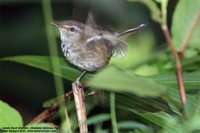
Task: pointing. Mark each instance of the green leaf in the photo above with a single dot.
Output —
(41, 128)
(9, 117)
(191, 80)
(191, 106)
(113, 79)
(131, 125)
(186, 15)
(158, 118)
(140, 103)
(43, 63)
(98, 118)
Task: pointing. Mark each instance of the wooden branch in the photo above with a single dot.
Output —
(79, 99)
(56, 106)
(52, 109)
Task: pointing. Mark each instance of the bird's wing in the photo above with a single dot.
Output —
(119, 48)
(131, 31)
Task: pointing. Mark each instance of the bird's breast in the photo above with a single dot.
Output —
(89, 58)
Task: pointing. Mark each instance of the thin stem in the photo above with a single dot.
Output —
(67, 121)
(164, 4)
(169, 40)
(179, 69)
(181, 85)
(178, 63)
(113, 112)
(185, 44)
(52, 46)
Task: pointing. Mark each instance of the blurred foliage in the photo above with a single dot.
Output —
(144, 82)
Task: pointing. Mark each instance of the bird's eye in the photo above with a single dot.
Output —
(72, 29)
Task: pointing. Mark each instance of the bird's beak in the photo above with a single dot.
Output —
(57, 24)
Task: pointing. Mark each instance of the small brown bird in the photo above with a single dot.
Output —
(90, 48)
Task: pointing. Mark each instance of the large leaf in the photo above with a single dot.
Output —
(186, 15)
(9, 117)
(44, 63)
(191, 80)
(113, 79)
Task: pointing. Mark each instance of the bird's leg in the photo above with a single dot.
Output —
(82, 74)
(77, 81)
